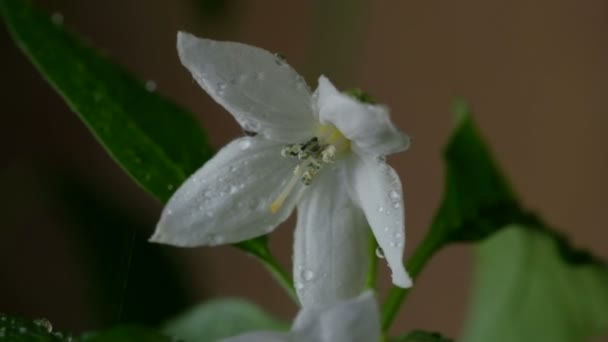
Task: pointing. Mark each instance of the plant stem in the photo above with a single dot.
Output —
(280, 274)
(431, 244)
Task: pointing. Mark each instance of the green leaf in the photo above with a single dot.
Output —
(221, 318)
(21, 330)
(530, 285)
(477, 202)
(422, 336)
(131, 333)
(155, 141)
(478, 199)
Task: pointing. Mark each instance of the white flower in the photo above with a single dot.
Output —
(321, 152)
(355, 320)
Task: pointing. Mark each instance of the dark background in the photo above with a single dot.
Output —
(535, 72)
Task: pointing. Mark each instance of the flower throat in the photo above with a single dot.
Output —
(324, 148)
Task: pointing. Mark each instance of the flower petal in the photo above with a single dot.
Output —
(261, 336)
(377, 189)
(368, 126)
(228, 199)
(330, 245)
(354, 320)
(258, 88)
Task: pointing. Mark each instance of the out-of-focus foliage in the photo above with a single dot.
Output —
(155, 141)
(530, 285)
(221, 318)
(422, 336)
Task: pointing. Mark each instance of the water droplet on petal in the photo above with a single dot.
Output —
(299, 286)
(308, 275)
(233, 168)
(398, 235)
(399, 244)
(394, 195)
(386, 229)
(260, 76)
(233, 189)
(245, 144)
(242, 78)
(396, 205)
(380, 209)
(379, 253)
(169, 212)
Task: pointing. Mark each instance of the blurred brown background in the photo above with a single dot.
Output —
(535, 72)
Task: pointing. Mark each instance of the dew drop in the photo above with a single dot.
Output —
(57, 18)
(242, 79)
(398, 235)
(386, 229)
(399, 244)
(299, 286)
(260, 76)
(380, 209)
(233, 189)
(245, 144)
(169, 212)
(150, 86)
(44, 323)
(307, 275)
(393, 244)
(394, 195)
(396, 205)
(233, 168)
(221, 86)
(379, 253)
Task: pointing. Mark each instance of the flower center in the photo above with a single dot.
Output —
(324, 148)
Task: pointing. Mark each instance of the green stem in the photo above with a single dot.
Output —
(431, 244)
(280, 274)
(258, 247)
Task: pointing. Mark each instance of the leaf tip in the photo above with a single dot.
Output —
(461, 110)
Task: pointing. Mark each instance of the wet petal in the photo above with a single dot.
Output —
(377, 189)
(330, 245)
(354, 320)
(368, 126)
(259, 89)
(228, 199)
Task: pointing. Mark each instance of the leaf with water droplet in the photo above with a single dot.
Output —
(17, 329)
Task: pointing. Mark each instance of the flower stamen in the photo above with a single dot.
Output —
(321, 149)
